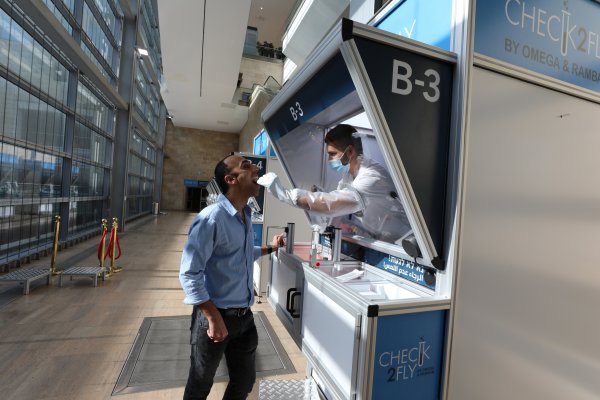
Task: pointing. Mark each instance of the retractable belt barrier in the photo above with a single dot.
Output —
(102, 247)
(114, 242)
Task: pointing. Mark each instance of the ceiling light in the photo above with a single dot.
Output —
(142, 52)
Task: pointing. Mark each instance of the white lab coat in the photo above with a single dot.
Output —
(364, 204)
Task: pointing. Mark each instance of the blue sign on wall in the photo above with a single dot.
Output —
(408, 356)
(560, 39)
(194, 183)
(426, 21)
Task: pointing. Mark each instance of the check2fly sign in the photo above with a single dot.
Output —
(560, 39)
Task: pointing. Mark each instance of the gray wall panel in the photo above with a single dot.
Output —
(526, 323)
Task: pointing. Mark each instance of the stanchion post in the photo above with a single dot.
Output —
(114, 240)
(55, 246)
(102, 247)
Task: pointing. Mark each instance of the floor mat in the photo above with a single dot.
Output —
(160, 357)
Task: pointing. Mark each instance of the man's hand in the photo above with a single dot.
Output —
(217, 331)
(278, 241)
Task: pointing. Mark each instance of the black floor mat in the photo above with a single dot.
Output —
(160, 357)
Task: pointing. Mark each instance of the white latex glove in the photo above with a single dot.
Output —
(273, 185)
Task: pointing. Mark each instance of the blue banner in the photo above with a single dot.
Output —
(560, 39)
(408, 356)
(426, 21)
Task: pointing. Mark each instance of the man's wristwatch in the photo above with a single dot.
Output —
(270, 249)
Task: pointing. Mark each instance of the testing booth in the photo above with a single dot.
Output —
(483, 116)
(368, 298)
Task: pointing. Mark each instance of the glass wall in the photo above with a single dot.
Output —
(101, 30)
(140, 176)
(39, 176)
(58, 128)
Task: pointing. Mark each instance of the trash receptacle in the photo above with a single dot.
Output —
(155, 208)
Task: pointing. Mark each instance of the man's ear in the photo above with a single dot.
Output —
(351, 152)
(230, 179)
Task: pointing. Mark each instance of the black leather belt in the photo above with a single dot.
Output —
(234, 312)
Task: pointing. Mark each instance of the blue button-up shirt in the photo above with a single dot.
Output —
(218, 257)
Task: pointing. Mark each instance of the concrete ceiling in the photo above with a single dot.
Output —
(202, 44)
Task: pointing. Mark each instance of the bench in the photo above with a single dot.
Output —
(26, 276)
(92, 272)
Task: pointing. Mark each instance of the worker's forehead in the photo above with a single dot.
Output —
(332, 147)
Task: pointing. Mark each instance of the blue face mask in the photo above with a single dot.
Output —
(337, 165)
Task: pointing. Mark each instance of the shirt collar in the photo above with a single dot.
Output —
(226, 204)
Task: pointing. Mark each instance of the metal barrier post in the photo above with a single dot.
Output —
(55, 246)
(114, 242)
(102, 253)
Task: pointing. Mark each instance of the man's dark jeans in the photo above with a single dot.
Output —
(239, 348)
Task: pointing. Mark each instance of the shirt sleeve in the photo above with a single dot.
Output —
(332, 204)
(257, 252)
(196, 252)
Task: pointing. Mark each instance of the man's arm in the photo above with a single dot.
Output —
(277, 242)
(196, 251)
(330, 204)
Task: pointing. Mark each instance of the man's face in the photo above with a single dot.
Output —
(335, 153)
(245, 175)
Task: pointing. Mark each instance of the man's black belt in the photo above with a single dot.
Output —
(234, 312)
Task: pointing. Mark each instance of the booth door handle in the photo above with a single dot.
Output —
(288, 300)
(292, 309)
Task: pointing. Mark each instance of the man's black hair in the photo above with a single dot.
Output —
(221, 170)
(343, 136)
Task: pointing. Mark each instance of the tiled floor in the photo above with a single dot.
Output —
(71, 343)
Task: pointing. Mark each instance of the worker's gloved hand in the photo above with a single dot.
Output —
(272, 183)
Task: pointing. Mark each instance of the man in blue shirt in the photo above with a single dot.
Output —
(216, 276)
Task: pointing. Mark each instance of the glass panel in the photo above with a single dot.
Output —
(36, 66)
(10, 115)
(32, 119)
(16, 38)
(92, 109)
(26, 57)
(2, 104)
(22, 112)
(4, 37)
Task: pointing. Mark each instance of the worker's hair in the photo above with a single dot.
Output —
(343, 136)
(221, 170)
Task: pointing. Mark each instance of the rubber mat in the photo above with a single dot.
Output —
(160, 356)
